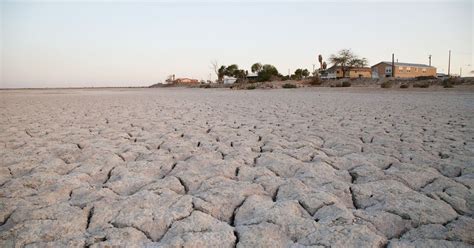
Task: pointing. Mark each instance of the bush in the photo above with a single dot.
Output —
(404, 86)
(447, 84)
(315, 81)
(288, 86)
(346, 84)
(450, 82)
(386, 84)
(425, 77)
(251, 87)
(421, 85)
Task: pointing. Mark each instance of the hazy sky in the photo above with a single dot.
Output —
(92, 43)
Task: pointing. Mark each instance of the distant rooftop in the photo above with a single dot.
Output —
(252, 74)
(405, 64)
(350, 68)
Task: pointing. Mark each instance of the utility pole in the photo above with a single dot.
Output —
(429, 57)
(289, 76)
(393, 65)
(449, 63)
(313, 68)
(460, 71)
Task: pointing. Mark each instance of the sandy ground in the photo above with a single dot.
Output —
(223, 168)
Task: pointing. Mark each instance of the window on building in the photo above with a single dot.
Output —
(408, 69)
(423, 70)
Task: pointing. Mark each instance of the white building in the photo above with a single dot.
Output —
(229, 80)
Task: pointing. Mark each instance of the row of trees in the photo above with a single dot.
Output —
(230, 71)
(265, 72)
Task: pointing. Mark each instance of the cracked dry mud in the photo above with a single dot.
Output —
(220, 168)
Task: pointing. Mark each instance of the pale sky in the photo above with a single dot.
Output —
(104, 43)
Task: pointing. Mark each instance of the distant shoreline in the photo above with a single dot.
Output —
(305, 83)
(78, 88)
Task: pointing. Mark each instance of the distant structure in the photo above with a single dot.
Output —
(229, 80)
(188, 81)
(402, 70)
(352, 72)
(251, 76)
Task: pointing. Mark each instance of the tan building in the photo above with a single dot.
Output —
(351, 72)
(402, 70)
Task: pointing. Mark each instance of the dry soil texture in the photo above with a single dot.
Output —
(222, 168)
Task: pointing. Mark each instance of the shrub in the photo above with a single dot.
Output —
(421, 85)
(447, 84)
(386, 84)
(288, 86)
(450, 82)
(346, 84)
(251, 87)
(275, 78)
(425, 77)
(315, 81)
(404, 86)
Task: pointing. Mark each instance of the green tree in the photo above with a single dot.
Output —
(346, 59)
(267, 72)
(256, 68)
(231, 70)
(240, 74)
(358, 62)
(305, 73)
(300, 74)
(221, 72)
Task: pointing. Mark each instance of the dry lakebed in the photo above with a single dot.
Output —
(175, 167)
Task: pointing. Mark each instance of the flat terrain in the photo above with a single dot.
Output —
(270, 168)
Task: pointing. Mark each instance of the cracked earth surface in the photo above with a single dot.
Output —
(220, 168)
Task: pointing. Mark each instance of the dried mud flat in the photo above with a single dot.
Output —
(221, 168)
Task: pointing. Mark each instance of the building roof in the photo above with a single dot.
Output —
(334, 67)
(191, 79)
(252, 74)
(404, 64)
